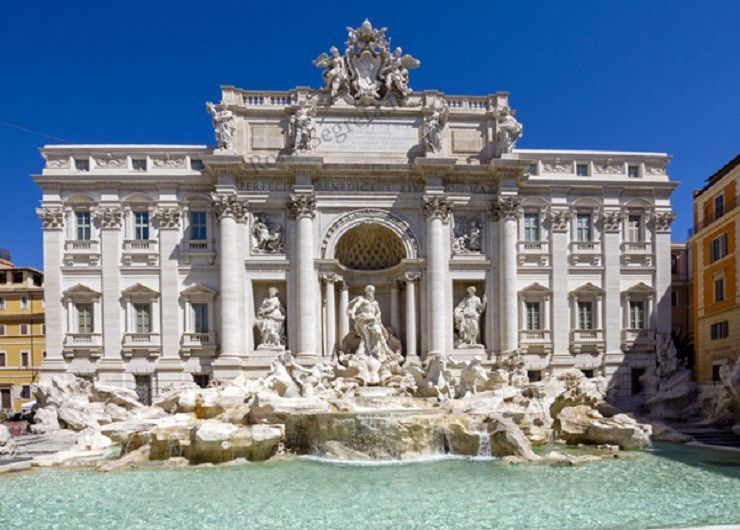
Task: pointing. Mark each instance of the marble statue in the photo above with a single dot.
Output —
(335, 72)
(396, 72)
(267, 237)
(509, 131)
(365, 313)
(468, 237)
(270, 321)
(467, 316)
(432, 132)
(223, 124)
(302, 130)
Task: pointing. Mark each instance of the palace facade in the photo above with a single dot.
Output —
(159, 258)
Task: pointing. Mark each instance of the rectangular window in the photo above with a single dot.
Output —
(674, 298)
(718, 248)
(533, 169)
(3, 277)
(532, 312)
(143, 385)
(2, 329)
(719, 289)
(143, 318)
(582, 170)
(531, 227)
(200, 318)
(583, 227)
(26, 392)
(37, 280)
(25, 359)
(719, 330)
(633, 172)
(202, 380)
(636, 384)
(24, 302)
(17, 277)
(83, 226)
(84, 318)
(141, 225)
(2, 304)
(719, 206)
(138, 164)
(24, 329)
(585, 315)
(3, 359)
(5, 398)
(198, 225)
(637, 314)
(197, 164)
(82, 164)
(634, 228)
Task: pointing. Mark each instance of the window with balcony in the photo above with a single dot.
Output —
(637, 314)
(142, 317)
(141, 226)
(584, 227)
(531, 227)
(718, 248)
(719, 289)
(84, 318)
(634, 228)
(82, 221)
(198, 225)
(532, 316)
(719, 206)
(585, 315)
(200, 318)
(719, 330)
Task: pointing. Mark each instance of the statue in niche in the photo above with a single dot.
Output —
(467, 319)
(267, 237)
(365, 313)
(270, 322)
(467, 237)
(509, 131)
(223, 125)
(302, 130)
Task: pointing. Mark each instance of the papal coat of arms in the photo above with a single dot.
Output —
(368, 72)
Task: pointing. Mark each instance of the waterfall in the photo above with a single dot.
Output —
(484, 444)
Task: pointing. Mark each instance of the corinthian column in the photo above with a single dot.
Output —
(229, 210)
(343, 304)
(437, 210)
(411, 279)
(303, 210)
(331, 317)
(507, 210)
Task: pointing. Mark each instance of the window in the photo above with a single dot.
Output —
(719, 289)
(197, 165)
(24, 302)
(82, 164)
(719, 330)
(531, 227)
(3, 360)
(585, 315)
(637, 314)
(43, 354)
(3, 277)
(674, 264)
(25, 359)
(532, 312)
(719, 206)
(84, 318)
(633, 172)
(26, 392)
(715, 372)
(143, 318)
(141, 225)
(636, 384)
(83, 226)
(43, 329)
(37, 280)
(582, 170)
(200, 318)
(2, 329)
(5, 398)
(138, 164)
(718, 248)
(634, 228)
(143, 385)
(583, 227)
(534, 375)
(2, 303)
(674, 298)
(198, 225)
(201, 380)
(17, 277)
(533, 169)
(24, 329)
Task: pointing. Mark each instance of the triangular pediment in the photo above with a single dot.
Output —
(587, 288)
(139, 290)
(640, 288)
(80, 291)
(535, 288)
(198, 289)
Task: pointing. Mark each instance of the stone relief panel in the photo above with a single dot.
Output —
(267, 234)
(609, 168)
(110, 162)
(467, 141)
(266, 137)
(467, 236)
(557, 166)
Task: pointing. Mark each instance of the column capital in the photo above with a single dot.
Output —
(109, 217)
(52, 218)
(168, 217)
(230, 206)
(302, 205)
(437, 208)
(330, 277)
(558, 219)
(412, 276)
(663, 221)
(611, 220)
(505, 208)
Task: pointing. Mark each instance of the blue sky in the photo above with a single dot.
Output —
(617, 75)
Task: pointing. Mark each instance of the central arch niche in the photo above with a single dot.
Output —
(369, 247)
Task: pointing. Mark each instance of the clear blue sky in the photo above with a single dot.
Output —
(615, 75)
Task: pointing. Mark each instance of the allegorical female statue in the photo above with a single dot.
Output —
(270, 321)
(365, 312)
(467, 319)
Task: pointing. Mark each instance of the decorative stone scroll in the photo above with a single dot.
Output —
(223, 125)
(663, 221)
(302, 205)
(57, 163)
(110, 162)
(109, 217)
(169, 163)
(557, 166)
(168, 217)
(51, 217)
(437, 207)
(612, 220)
(559, 220)
(506, 208)
(229, 206)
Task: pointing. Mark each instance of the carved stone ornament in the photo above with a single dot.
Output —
(223, 125)
(169, 163)
(110, 162)
(168, 217)
(268, 236)
(412, 276)
(302, 205)
(302, 131)
(51, 217)
(506, 208)
(609, 168)
(559, 220)
(368, 72)
(663, 221)
(57, 163)
(229, 206)
(509, 131)
(467, 236)
(557, 166)
(437, 207)
(109, 217)
(612, 220)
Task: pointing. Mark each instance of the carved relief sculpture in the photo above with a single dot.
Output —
(612, 220)
(168, 217)
(509, 131)
(467, 317)
(108, 216)
(302, 131)
(268, 237)
(467, 236)
(223, 125)
(663, 221)
(51, 217)
(270, 322)
(559, 220)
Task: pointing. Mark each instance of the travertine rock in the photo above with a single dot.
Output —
(508, 439)
(581, 424)
(4, 435)
(122, 397)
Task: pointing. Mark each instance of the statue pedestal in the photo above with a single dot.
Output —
(469, 352)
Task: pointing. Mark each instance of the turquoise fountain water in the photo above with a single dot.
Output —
(671, 486)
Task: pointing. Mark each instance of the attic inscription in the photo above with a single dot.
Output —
(377, 137)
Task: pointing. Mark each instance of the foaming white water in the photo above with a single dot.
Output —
(384, 463)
